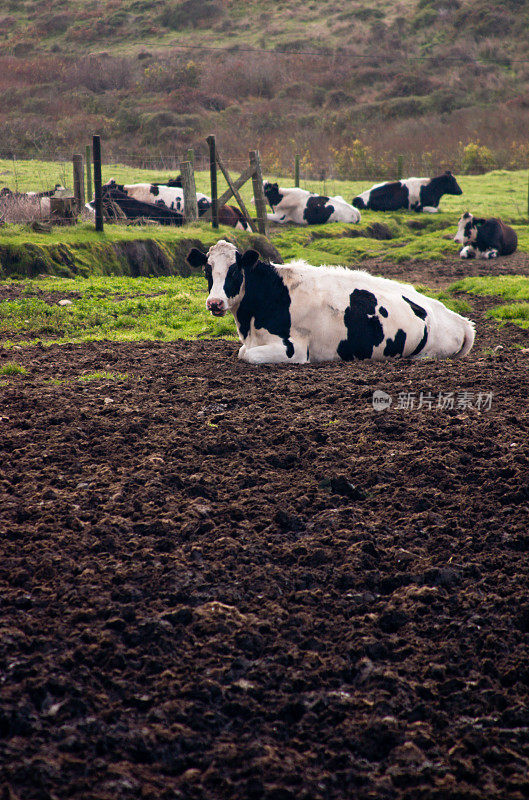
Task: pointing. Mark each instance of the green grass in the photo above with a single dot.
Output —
(518, 313)
(498, 193)
(12, 368)
(509, 287)
(104, 376)
(415, 236)
(114, 309)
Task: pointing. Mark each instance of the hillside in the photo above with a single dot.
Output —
(349, 87)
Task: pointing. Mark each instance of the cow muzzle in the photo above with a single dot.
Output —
(216, 306)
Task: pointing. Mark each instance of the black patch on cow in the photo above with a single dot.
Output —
(209, 276)
(233, 281)
(289, 347)
(493, 234)
(272, 194)
(395, 347)
(133, 209)
(364, 329)
(266, 301)
(383, 311)
(318, 210)
(154, 189)
(389, 197)
(468, 230)
(419, 311)
(421, 343)
(358, 202)
(431, 193)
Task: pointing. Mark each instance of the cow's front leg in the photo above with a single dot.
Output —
(289, 352)
(492, 253)
(279, 218)
(468, 252)
(430, 209)
(242, 351)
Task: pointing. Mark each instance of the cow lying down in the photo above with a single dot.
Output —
(306, 208)
(414, 194)
(164, 204)
(298, 313)
(486, 238)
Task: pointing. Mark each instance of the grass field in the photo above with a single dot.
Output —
(132, 309)
(499, 193)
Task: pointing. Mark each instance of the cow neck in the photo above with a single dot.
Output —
(265, 300)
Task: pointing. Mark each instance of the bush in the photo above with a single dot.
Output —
(169, 75)
(477, 159)
(190, 13)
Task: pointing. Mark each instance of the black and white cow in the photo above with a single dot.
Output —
(306, 208)
(170, 196)
(415, 194)
(298, 313)
(486, 238)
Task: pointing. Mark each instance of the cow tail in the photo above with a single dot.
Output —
(468, 340)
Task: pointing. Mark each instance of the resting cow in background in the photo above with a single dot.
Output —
(160, 194)
(171, 197)
(298, 313)
(306, 208)
(414, 194)
(486, 238)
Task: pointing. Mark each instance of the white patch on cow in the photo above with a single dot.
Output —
(220, 258)
(460, 236)
(172, 196)
(468, 252)
(414, 188)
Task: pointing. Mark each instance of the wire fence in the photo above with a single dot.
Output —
(41, 190)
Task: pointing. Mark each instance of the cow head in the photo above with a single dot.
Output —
(272, 193)
(449, 184)
(224, 269)
(466, 229)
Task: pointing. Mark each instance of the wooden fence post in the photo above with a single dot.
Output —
(400, 166)
(296, 171)
(191, 157)
(98, 192)
(190, 192)
(258, 193)
(78, 181)
(213, 178)
(88, 160)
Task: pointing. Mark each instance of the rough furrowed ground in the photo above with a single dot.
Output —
(220, 581)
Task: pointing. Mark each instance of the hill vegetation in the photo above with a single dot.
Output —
(444, 82)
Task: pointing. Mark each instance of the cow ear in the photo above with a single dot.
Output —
(196, 258)
(248, 259)
(448, 172)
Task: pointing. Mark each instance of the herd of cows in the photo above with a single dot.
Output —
(164, 203)
(298, 313)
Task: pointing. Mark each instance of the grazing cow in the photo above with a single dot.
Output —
(486, 238)
(306, 208)
(298, 313)
(415, 194)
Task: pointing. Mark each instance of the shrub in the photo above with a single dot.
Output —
(353, 161)
(477, 159)
(190, 13)
(169, 75)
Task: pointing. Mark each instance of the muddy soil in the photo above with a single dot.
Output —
(222, 581)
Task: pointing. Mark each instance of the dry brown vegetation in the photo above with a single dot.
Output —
(423, 79)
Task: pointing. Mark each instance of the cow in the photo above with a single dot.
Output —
(160, 194)
(414, 194)
(296, 313)
(170, 197)
(486, 238)
(130, 208)
(27, 204)
(306, 208)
